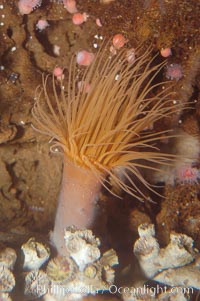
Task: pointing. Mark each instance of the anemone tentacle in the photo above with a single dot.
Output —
(107, 127)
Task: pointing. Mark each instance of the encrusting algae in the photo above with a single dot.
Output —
(103, 131)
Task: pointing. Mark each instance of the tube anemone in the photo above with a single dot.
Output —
(102, 131)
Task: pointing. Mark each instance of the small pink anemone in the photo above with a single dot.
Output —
(79, 18)
(42, 24)
(27, 6)
(84, 58)
(166, 52)
(119, 40)
(70, 6)
(187, 174)
(174, 72)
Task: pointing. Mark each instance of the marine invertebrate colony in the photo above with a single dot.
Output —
(102, 132)
(174, 72)
(175, 267)
(83, 271)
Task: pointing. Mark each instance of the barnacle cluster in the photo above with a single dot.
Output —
(83, 271)
(176, 266)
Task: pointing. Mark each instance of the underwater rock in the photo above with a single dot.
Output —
(35, 254)
(8, 133)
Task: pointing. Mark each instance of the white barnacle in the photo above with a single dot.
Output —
(109, 258)
(109, 274)
(8, 258)
(5, 297)
(91, 271)
(146, 230)
(7, 280)
(36, 284)
(61, 270)
(82, 247)
(35, 254)
(75, 244)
